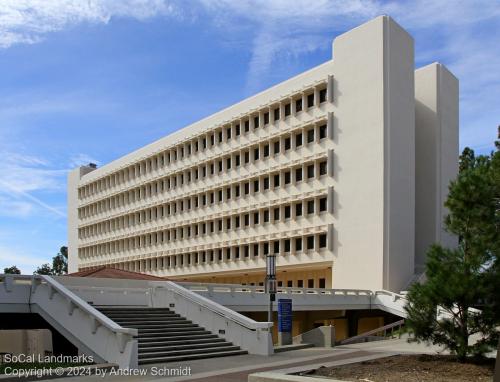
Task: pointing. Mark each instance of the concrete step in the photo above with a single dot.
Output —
(164, 336)
(194, 337)
(169, 347)
(139, 315)
(188, 329)
(185, 341)
(199, 350)
(153, 320)
(134, 308)
(146, 326)
(190, 357)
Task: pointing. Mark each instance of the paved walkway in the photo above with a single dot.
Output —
(237, 368)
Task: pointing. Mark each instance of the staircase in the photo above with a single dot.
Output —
(165, 336)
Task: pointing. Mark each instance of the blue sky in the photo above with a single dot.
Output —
(92, 80)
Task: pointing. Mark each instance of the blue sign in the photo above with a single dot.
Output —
(285, 315)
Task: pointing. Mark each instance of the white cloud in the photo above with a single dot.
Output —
(281, 31)
(20, 177)
(28, 21)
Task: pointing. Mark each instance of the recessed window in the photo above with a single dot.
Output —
(310, 242)
(277, 214)
(247, 126)
(310, 171)
(298, 174)
(310, 207)
(287, 212)
(289, 283)
(300, 283)
(237, 129)
(228, 133)
(266, 118)
(237, 160)
(310, 136)
(247, 156)
(220, 136)
(276, 246)
(288, 143)
(322, 95)
(255, 186)
(256, 249)
(277, 114)
(265, 248)
(298, 140)
(266, 216)
(286, 245)
(310, 100)
(322, 205)
(288, 109)
(288, 177)
(276, 147)
(322, 168)
(322, 240)
(322, 131)
(246, 219)
(298, 105)
(256, 154)
(247, 188)
(276, 180)
(228, 163)
(310, 283)
(266, 150)
(266, 183)
(298, 209)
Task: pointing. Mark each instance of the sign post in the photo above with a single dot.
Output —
(284, 321)
(271, 283)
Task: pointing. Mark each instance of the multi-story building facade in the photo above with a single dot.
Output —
(326, 170)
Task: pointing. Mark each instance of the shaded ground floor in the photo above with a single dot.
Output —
(347, 323)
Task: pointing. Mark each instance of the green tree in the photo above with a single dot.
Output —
(458, 298)
(60, 262)
(44, 269)
(12, 270)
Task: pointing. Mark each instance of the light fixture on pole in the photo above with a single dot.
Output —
(271, 282)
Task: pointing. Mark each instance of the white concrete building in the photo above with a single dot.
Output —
(341, 171)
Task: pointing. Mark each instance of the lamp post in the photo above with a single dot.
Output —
(271, 283)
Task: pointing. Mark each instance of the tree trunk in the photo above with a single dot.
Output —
(496, 377)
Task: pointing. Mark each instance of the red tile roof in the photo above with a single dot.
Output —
(113, 273)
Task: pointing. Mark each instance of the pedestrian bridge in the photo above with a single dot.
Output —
(69, 305)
